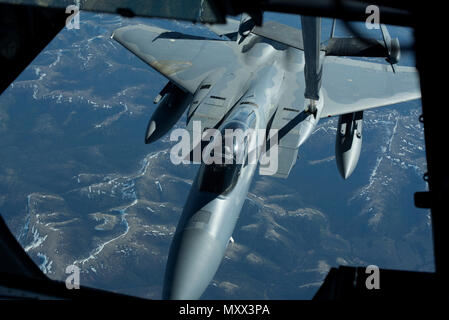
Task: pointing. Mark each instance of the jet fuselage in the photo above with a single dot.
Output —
(215, 200)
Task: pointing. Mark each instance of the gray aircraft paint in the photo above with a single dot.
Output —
(262, 72)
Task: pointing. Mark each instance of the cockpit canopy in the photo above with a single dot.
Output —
(234, 142)
(222, 177)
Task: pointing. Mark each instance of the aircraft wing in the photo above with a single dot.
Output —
(184, 59)
(348, 85)
(353, 85)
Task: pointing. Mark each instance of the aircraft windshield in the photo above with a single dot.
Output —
(222, 177)
(219, 178)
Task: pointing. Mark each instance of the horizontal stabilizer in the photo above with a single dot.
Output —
(280, 33)
(355, 47)
(229, 29)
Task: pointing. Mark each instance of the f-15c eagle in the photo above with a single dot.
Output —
(271, 77)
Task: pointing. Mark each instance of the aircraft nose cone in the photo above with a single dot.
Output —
(193, 260)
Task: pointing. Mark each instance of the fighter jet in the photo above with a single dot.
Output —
(271, 77)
